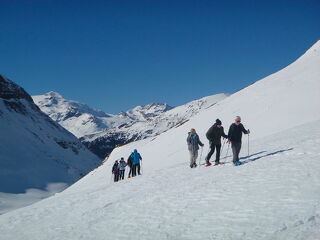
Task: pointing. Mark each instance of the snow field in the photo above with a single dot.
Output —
(274, 193)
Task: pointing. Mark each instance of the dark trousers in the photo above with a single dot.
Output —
(236, 147)
(116, 176)
(135, 168)
(212, 148)
(121, 174)
(130, 171)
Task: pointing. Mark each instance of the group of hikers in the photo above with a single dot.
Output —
(214, 135)
(133, 162)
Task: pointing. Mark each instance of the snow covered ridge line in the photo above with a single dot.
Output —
(101, 132)
(82, 120)
(35, 151)
(104, 142)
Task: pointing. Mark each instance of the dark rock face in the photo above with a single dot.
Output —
(103, 146)
(10, 90)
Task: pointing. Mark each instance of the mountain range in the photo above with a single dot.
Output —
(101, 132)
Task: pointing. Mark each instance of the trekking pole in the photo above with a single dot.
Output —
(200, 157)
(227, 151)
(248, 145)
(141, 168)
(223, 144)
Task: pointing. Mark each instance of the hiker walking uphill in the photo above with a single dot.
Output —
(130, 164)
(136, 158)
(214, 135)
(193, 141)
(234, 135)
(122, 168)
(115, 170)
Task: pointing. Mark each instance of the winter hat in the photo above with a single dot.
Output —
(218, 122)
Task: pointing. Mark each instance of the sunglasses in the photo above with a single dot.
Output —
(238, 121)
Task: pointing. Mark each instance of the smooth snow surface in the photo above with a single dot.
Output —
(11, 201)
(275, 194)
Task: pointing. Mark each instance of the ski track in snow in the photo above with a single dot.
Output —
(275, 195)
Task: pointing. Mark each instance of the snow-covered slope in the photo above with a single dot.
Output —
(273, 195)
(34, 150)
(104, 142)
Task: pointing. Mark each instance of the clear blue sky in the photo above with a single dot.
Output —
(114, 55)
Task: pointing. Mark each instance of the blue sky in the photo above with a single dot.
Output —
(114, 55)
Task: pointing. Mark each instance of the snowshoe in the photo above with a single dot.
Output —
(208, 164)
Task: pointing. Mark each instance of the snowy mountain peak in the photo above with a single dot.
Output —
(145, 112)
(54, 94)
(77, 117)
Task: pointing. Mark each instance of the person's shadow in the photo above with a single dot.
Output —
(254, 154)
(263, 156)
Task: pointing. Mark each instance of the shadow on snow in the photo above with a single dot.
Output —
(266, 155)
(256, 158)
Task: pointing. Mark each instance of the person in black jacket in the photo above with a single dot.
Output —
(115, 171)
(214, 135)
(130, 164)
(234, 135)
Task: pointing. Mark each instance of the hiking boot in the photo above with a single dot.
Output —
(208, 164)
(217, 163)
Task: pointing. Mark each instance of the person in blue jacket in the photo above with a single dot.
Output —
(136, 158)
